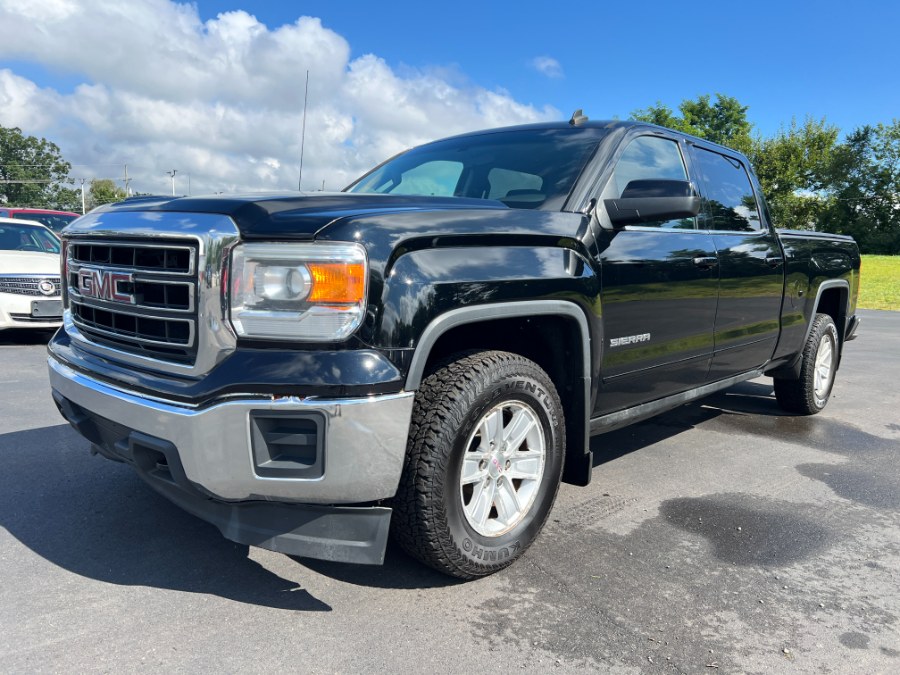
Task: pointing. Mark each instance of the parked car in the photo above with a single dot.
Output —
(430, 350)
(55, 220)
(29, 275)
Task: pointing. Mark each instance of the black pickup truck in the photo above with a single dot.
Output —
(430, 351)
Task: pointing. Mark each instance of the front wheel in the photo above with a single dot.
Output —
(809, 393)
(483, 466)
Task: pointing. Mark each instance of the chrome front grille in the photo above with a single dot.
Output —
(30, 284)
(135, 297)
(157, 282)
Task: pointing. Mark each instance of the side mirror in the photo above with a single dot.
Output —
(649, 200)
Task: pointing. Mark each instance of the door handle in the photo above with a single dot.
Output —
(774, 260)
(705, 262)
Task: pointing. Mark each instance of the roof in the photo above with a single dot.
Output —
(608, 125)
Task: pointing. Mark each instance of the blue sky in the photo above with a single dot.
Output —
(837, 60)
(214, 89)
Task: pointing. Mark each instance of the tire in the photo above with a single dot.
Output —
(809, 393)
(471, 501)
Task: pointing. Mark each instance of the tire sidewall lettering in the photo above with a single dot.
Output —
(515, 388)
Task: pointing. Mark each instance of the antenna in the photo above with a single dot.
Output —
(303, 133)
(578, 118)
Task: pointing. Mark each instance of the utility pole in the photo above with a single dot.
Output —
(127, 180)
(172, 173)
(82, 196)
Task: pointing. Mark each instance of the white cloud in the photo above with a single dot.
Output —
(548, 66)
(222, 100)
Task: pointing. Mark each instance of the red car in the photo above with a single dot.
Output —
(55, 220)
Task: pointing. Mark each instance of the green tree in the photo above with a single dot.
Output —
(723, 121)
(104, 191)
(662, 116)
(33, 172)
(794, 168)
(865, 186)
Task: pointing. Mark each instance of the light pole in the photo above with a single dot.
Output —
(172, 173)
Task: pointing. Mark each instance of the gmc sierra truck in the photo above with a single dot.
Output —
(430, 350)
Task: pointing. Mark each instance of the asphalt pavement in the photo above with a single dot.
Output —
(724, 536)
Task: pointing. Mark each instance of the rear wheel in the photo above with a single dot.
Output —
(483, 466)
(809, 393)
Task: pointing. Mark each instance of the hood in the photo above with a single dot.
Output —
(295, 215)
(29, 262)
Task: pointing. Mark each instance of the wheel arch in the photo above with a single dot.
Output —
(833, 299)
(501, 326)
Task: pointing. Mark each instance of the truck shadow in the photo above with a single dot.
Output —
(97, 519)
(26, 336)
(399, 571)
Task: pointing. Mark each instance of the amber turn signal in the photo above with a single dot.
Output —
(337, 282)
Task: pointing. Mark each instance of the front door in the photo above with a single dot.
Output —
(659, 290)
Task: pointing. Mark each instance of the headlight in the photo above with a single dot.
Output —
(297, 291)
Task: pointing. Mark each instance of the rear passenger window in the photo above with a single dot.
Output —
(728, 196)
(649, 158)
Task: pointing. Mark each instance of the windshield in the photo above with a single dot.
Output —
(55, 221)
(27, 238)
(524, 169)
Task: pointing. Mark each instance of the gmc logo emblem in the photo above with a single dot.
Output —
(104, 285)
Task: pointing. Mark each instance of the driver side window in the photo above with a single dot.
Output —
(649, 158)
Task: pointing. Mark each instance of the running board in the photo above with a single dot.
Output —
(622, 418)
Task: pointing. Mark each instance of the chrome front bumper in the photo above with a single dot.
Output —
(364, 440)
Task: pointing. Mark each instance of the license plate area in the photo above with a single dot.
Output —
(46, 309)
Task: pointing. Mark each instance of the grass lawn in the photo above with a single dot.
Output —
(880, 282)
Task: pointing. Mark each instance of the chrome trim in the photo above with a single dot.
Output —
(214, 236)
(365, 441)
(28, 277)
(117, 306)
(134, 338)
(143, 270)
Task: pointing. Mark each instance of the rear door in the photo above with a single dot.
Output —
(659, 288)
(751, 264)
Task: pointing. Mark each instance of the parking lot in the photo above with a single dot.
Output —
(723, 536)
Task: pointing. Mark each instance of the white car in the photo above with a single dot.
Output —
(29, 275)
